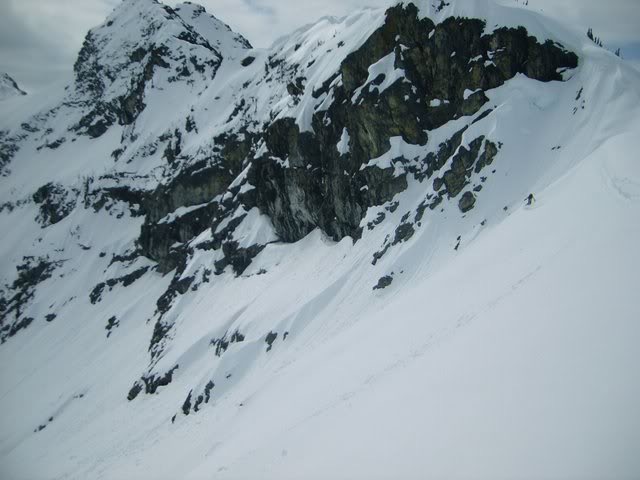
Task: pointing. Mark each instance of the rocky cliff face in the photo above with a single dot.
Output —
(209, 148)
(410, 76)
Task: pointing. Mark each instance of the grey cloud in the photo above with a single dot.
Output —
(260, 8)
(39, 39)
(28, 55)
(13, 32)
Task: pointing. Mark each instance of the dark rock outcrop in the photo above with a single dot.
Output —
(221, 344)
(112, 323)
(14, 300)
(96, 294)
(303, 182)
(269, 339)
(151, 383)
(467, 202)
(383, 282)
(55, 201)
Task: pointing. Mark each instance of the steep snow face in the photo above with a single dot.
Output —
(217, 33)
(8, 87)
(154, 323)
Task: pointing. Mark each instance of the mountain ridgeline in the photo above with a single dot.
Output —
(311, 189)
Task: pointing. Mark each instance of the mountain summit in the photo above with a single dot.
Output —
(8, 87)
(395, 244)
(144, 46)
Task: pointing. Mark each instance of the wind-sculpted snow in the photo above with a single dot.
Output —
(316, 260)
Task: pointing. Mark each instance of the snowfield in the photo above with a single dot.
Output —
(504, 346)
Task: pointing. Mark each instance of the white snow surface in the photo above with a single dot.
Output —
(385, 69)
(512, 356)
(217, 33)
(343, 144)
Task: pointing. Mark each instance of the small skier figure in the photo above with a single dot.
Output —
(530, 199)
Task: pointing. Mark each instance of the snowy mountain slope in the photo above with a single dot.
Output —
(9, 88)
(217, 33)
(272, 280)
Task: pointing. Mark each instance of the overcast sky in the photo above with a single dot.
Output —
(39, 39)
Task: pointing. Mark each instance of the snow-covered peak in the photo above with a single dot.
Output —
(217, 33)
(8, 87)
(134, 28)
(139, 20)
(143, 46)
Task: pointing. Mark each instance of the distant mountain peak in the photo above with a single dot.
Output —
(9, 87)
